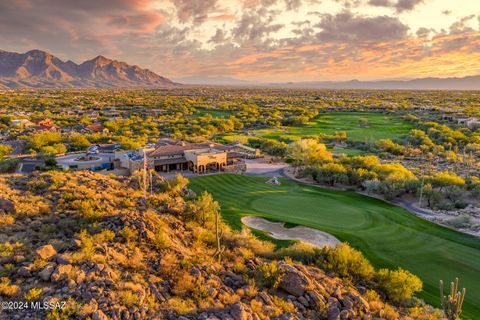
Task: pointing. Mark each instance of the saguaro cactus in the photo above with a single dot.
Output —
(218, 235)
(452, 304)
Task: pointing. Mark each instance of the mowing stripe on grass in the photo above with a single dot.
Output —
(388, 235)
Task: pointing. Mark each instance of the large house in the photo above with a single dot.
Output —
(170, 155)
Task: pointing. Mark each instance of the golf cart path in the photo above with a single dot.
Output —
(278, 231)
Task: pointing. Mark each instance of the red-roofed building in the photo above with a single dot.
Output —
(96, 128)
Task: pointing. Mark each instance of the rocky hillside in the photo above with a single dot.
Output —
(39, 69)
(91, 246)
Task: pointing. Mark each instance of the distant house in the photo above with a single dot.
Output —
(22, 123)
(470, 122)
(96, 128)
(43, 122)
(41, 128)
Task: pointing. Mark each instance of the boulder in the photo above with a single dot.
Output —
(64, 259)
(61, 272)
(46, 272)
(316, 299)
(99, 315)
(7, 206)
(239, 312)
(24, 272)
(45, 252)
(333, 314)
(293, 281)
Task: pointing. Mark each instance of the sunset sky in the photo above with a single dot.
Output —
(261, 40)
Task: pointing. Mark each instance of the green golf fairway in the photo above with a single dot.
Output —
(388, 235)
(378, 126)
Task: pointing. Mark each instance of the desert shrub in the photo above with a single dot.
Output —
(161, 240)
(8, 249)
(228, 298)
(7, 289)
(129, 234)
(7, 269)
(86, 210)
(104, 236)
(462, 221)
(135, 260)
(284, 305)
(6, 219)
(371, 295)
(37, 184)
(39, 263)
(346, 261)
(33, 294)
(270, 275)
(182, 306)
(8, 165)
(129, 298)
(389, 313)
(87, 249)
(300, 251)
(246, 240)
(400, 284)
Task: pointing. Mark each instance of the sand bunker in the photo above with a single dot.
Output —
(278, 231)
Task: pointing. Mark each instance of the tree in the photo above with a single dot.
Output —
(78, 141)
(400, 284)
(308, 152)
(4, 150)
(57, 148)
(203, 209)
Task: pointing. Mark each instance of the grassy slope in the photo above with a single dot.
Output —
(380, 126)
(216, 113)
(388, 235)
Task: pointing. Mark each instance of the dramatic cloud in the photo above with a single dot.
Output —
(270, 40)
(403, 5)
(194, 10)
(347, 27)
(399, 5)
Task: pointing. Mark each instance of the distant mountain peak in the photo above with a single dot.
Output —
(40, 69)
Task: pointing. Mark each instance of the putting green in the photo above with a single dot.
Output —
(388, 235)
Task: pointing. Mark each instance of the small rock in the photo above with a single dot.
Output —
(238, 312)
(7, 206)
(45, 252)
(24, 272)
(46, 273)
(303, 301)
(63, 259)
(76, 243)
(347, 303)
(99, 315)
(333, 313)
(61, 272)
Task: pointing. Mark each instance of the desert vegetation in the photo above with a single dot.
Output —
(98, 246)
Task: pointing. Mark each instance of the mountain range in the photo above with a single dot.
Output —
(40, 69)
(464, 83)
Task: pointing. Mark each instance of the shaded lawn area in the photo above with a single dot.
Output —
(216, 113)
(388, 235)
